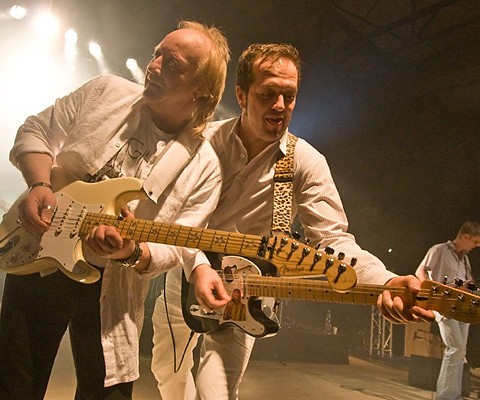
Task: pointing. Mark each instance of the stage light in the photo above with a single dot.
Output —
(71, 38)
(131, 63)
(135, 70)
(17, 12)
(70, 47)
(47, 25)
(95, 50)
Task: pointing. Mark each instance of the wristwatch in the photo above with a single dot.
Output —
(134, 259)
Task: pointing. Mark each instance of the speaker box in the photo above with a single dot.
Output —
(423, 340)
(299, 346)
(423, 373)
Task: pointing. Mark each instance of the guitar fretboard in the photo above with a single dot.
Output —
(455, 304)
(308, 289)
(155, 232)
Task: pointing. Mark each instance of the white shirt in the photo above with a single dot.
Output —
(104, 121)
(443, 261)
(246, 201)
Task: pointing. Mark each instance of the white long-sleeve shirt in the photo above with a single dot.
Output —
(104, 120)
(246, 201)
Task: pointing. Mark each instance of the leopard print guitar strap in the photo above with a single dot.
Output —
(283, 189)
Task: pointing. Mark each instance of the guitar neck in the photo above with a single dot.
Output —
(451, 302)
(155, 232)
(313, 290)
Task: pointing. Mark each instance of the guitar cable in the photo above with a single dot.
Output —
(172, 335)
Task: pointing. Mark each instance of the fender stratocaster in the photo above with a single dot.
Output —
(253, 299)
(81, 206)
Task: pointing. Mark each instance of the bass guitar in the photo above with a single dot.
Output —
(81, 206)
(253, 303)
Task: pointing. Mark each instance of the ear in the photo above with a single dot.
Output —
(197, 94)
(241, 97)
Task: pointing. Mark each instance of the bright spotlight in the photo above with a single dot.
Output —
(135, 70)
(71, 38)
(46, 24)
(17, 12)
(131, 63)
(70, 47)
(95, 49)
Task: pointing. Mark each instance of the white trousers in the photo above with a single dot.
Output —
(224, 354)
(455, 336)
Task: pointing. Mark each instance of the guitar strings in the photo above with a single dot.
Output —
(311, 290)
(77, 224)
(146, 230)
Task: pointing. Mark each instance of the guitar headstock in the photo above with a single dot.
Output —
(293, 258)
(452, 302)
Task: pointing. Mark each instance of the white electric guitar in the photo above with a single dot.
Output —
(255, 304)
(81, 206)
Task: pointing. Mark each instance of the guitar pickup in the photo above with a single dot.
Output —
(202, 312)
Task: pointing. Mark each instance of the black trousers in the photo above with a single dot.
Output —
(34, 317)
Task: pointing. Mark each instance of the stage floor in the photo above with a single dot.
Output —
(364, 378)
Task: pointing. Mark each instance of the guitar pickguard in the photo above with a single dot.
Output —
(23, 252)
(254, 315)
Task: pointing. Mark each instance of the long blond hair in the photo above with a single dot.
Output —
(211, 73)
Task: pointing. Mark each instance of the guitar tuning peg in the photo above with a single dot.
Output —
(341, 256)
(317, 246)
(306, 251)
(263, 246)
(353, 262)
(472, 287)
(458, 282)
(445, 279)
(329, 251)
(307, 240)
(296, 235)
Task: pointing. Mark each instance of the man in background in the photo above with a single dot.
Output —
(449, 264)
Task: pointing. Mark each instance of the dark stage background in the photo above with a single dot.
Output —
(390, 95)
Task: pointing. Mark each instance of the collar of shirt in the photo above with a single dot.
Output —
(281, 143)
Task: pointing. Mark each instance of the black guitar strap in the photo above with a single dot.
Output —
(283, 189)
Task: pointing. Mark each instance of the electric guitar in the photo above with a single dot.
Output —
(81, 206)
(255, 296)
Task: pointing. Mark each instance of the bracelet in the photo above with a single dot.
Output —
(134, 259)
(37, 184)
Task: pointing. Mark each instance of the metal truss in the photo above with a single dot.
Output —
(381, 335)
